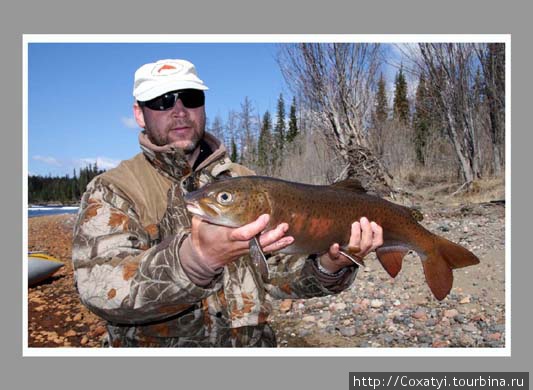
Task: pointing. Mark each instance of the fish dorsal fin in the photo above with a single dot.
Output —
(350, 185)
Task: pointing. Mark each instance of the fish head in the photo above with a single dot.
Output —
(232, 202)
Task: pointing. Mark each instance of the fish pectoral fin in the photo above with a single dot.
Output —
(258, 257)
(391, 258)
(353, 257)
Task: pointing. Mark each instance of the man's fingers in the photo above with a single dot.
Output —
(334, 251)
(249, 231)
(366, 235)
(278, 245)
(355, 237)
(273, 235)
(377, 235)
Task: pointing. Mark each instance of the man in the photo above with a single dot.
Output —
(162, 279)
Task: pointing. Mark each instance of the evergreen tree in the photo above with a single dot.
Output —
(380, 117)
(293, 125)
(264, 145)
(381, 110)
(279, 130)
(422, 118)
(401, 104)
(60, 189)
(234, 155)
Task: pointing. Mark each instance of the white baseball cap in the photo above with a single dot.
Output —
(157, 78)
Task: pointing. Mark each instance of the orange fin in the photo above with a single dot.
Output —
(391, 258)
(350, 185)
(439, 276)
(439, 263)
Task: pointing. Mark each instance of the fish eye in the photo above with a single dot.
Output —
(224, 197)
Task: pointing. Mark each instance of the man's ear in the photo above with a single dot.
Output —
(139, 115)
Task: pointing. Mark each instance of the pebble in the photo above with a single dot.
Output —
(70, 333)
(494, 336)
(450, 313)
(285, 305)
(420, 314)
(439, 344)
(338, 306)
(376, 303)
(348, 331)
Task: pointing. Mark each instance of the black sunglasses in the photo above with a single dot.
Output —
(191, 98)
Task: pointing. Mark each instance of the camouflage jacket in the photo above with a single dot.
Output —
(131, 223)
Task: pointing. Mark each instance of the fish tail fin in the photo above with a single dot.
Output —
(439, 262)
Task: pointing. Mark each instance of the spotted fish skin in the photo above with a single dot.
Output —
(319, 216)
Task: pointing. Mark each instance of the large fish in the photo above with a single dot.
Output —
(319, 216)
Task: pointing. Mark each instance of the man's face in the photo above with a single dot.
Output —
(179, 126)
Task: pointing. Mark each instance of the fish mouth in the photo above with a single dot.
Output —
(210, 213)
(203, 210)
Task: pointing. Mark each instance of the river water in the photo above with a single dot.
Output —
(37, 211)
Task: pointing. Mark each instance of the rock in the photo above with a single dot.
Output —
(326, 316)
(451, 313)
(84, 340)
(348, 331)
(357, 308)
(309, 318)
(285, 305)
(431, 322)
(494, 336)
(465, 300)
(78, 317)
(99, 330)
(444, 227)
(70, 333)
(338, 306)
(466, 341)
(439, 344)
(470, 328)
(376, 303)
(420, 314)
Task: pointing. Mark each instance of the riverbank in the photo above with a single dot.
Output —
(376, 311)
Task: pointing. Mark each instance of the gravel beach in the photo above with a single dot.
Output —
(375, 312)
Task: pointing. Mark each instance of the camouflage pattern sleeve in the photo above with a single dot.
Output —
(297, 276)
(122, 272)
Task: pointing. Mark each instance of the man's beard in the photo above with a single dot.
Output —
(188, 148)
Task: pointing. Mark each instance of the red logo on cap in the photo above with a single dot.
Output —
(166, 67)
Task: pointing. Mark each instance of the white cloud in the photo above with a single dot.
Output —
(129, 122)
(101, 162)
(48, 160)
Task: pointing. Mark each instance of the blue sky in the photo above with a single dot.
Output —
(80, 95)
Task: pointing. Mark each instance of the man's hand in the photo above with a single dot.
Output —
(366, 236)
(216, 246)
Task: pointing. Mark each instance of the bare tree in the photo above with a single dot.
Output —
(451, 70)
(492, 58)
(248, 127)
(336, 81)
(217, 128)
